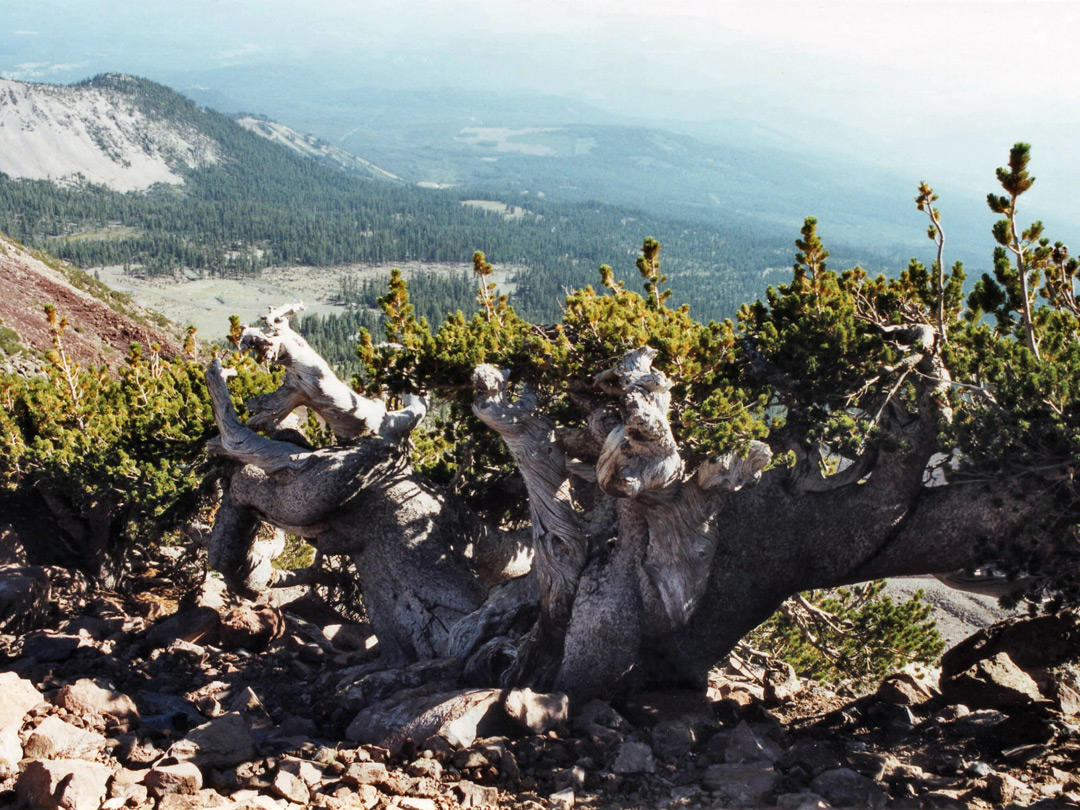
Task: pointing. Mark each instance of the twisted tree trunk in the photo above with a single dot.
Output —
(638, 570)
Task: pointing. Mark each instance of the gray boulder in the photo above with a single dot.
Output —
(672, 739)
(843, 787)
(745, 745)
(634, 757)
(219, 743)
(50, 647)
(746, 784)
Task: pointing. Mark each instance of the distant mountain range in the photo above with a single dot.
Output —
(123, 171)
(117, 170)
(728, 169)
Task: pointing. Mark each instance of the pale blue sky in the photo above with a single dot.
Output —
(945, 85)
(924, 54)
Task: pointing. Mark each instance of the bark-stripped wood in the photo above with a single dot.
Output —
(637, 566)
(559, 538)
(309, 381)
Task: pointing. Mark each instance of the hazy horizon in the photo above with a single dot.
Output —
(937, 90)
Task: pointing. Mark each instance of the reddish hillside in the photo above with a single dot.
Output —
(97, 333)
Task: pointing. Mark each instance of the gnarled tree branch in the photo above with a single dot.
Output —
(310, 381)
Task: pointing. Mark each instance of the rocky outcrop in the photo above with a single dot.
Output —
(1016, 663)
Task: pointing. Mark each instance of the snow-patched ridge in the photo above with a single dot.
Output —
(96, 134)
(312, 147)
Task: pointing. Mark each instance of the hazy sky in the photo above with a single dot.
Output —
(931, 56)
(950, 84)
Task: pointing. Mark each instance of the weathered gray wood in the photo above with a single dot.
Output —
(409, 542)
(559, 540)
(637, 565)
(309, 381)
(239, 442)
(640, 454)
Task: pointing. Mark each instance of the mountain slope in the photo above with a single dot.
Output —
(100, 333)
(94, 133)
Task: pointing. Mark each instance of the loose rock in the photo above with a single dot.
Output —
(71, 784)
(743, 784)
(205, 798)
(251, 628)
(903, 689)
(672, 739)
(219, 743)
(454, 716)
(19, 697)
(747, 746)
(11, 751)
(634, 757)
(198, 625)
(843, 787)
(476, 796)
(56, 739)
(597, 719)
(99, 707)
(184, 777)
(535, 712)
(781, 682)
(992, 683)
(24, 598)
(562, 800)
(290, 787)
(50, 647)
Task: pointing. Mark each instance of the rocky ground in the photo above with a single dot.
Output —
(165, 699)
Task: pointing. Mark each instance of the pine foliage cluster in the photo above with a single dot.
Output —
(853, 636)
(115, 462)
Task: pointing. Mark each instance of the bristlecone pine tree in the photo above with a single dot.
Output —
(659, 487)
(617, 499)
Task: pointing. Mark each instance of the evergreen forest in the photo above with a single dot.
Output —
(264, 205)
